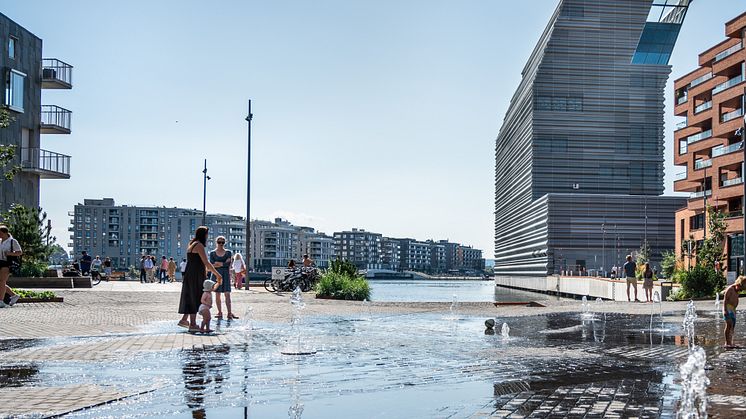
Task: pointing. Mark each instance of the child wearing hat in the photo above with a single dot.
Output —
(206, 305)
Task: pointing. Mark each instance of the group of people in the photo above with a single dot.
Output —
(197, 288)
(165, 270)
(648, 275)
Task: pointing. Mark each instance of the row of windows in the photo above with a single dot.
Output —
(559, 104)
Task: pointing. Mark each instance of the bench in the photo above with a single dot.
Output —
(66, 282)
(118, 276)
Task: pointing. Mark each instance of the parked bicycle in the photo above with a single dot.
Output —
(305, 278)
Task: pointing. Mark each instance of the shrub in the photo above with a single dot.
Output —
(343, 267)
(31, 269)
(343, 287)
(701, 281)
(46, 295)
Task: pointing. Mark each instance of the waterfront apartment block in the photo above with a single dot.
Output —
(276, 243)
(579, 157)
(125, 233)
(25, 73)
(709, 143)
(360, 247)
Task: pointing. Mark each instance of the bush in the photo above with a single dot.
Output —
(701, 281)
(46, 295)
(343, 287)
(32, 269)
(343, 267)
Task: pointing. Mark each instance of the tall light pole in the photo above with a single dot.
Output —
(205, 178)
(704, 193)
(743, 179)
(249, 262)
(603, 248)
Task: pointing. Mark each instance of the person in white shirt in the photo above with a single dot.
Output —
(8, 247)
(239, 271)
(182, 268)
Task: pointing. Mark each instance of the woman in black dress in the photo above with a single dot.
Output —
(194, 277)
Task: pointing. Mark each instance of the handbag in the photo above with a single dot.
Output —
(14, 262)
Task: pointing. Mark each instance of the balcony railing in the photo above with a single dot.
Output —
(701, 79)
(728, 84)
(728, 52)
(731, 115)
(56, 74)
(700, 194)
(55, 120)
(679, 176)
(47, 164)
(682, 99)
(734, 214)
(703, 107)
(701, 164)
(731, 182)
(681, 125)
(699, 137)
(719, 151)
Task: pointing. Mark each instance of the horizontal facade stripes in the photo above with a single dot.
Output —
(584, 120)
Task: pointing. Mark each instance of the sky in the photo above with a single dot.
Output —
(379, 114)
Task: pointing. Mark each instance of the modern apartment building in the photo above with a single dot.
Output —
(125, 233)
(709, 142)
(416, 255)
(390, 254)
(579, 157)
(276, 243)
(25, 73)
(318, 246)
(360, 247)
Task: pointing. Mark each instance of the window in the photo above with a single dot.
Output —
(12, 47)
(14, 90)
(697, 222)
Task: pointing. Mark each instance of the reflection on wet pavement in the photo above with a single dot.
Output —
(414, 365)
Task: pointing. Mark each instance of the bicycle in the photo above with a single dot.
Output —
(289, 282)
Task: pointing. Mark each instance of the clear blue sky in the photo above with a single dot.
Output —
(373, 114)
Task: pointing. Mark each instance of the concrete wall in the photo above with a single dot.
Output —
(575, 286)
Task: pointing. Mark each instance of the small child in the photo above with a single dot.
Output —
(206, 305)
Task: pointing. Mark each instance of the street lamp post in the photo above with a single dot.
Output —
(704, 194)
(603, 249)
(249, 262)
(205, 178)
(743, 179)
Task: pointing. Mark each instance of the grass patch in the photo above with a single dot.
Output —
(44, 295)
(341, 286)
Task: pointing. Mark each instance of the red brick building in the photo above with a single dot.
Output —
(708, 142)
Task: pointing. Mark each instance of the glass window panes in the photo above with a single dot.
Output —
(12, 44)
(14, 90)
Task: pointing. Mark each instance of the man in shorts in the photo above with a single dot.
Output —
(629, 269)
(730, 302)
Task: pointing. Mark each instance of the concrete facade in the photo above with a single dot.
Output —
(587, 118)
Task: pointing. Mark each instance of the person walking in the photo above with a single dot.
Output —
(107, 268)
(630, 273)
(9, 248)
(85, 263)
(96, 267)
(221, 258)
(239, 271)
(194, 278)
(171, 270)
(182, 268)
(730, 303)
(143, 271)
(647, 282)
(163, 275)
(149, 269)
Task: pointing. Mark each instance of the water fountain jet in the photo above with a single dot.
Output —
(295, 345)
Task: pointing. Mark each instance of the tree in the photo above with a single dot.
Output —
(7, 152)
(711, 251)
(27, 225)
(668, 263)
(643, 255)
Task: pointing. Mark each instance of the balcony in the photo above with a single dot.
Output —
(700, 80)
(734, 214)
(55, 120)
(46, 164)
(682, 99)
(699, 137)
(56, 74)
(728, 52)
(701, 164)
(731, 115)
(703, 107)
(679, 176)
(728, 84)
(722, 150)
(681, 125)
(731, 182)
(700, 194)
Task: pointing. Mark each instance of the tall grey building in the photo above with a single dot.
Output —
(360, 247)
(25, 73)
(125, 233)
(276, 243)
(579, 157)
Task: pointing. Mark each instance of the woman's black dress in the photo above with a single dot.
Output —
(191, 285)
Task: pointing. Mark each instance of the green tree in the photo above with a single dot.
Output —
(27, 225)
(643, 255)
(668, 263)
(7, 152)
(713, 245)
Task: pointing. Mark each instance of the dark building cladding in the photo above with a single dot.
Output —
(579, 158)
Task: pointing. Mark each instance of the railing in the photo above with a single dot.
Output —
(731, 115)
(679, 176)
(721, 150)
(55, 116)
(701, 79)
(701, 164)
(734, 214)
(44, 160)
(700, 194)
(682, 99)
(57, 71)
(728, 84)
(703, 107)
(699, 137)
(731, 182)
(728, 52)
(681, 125)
